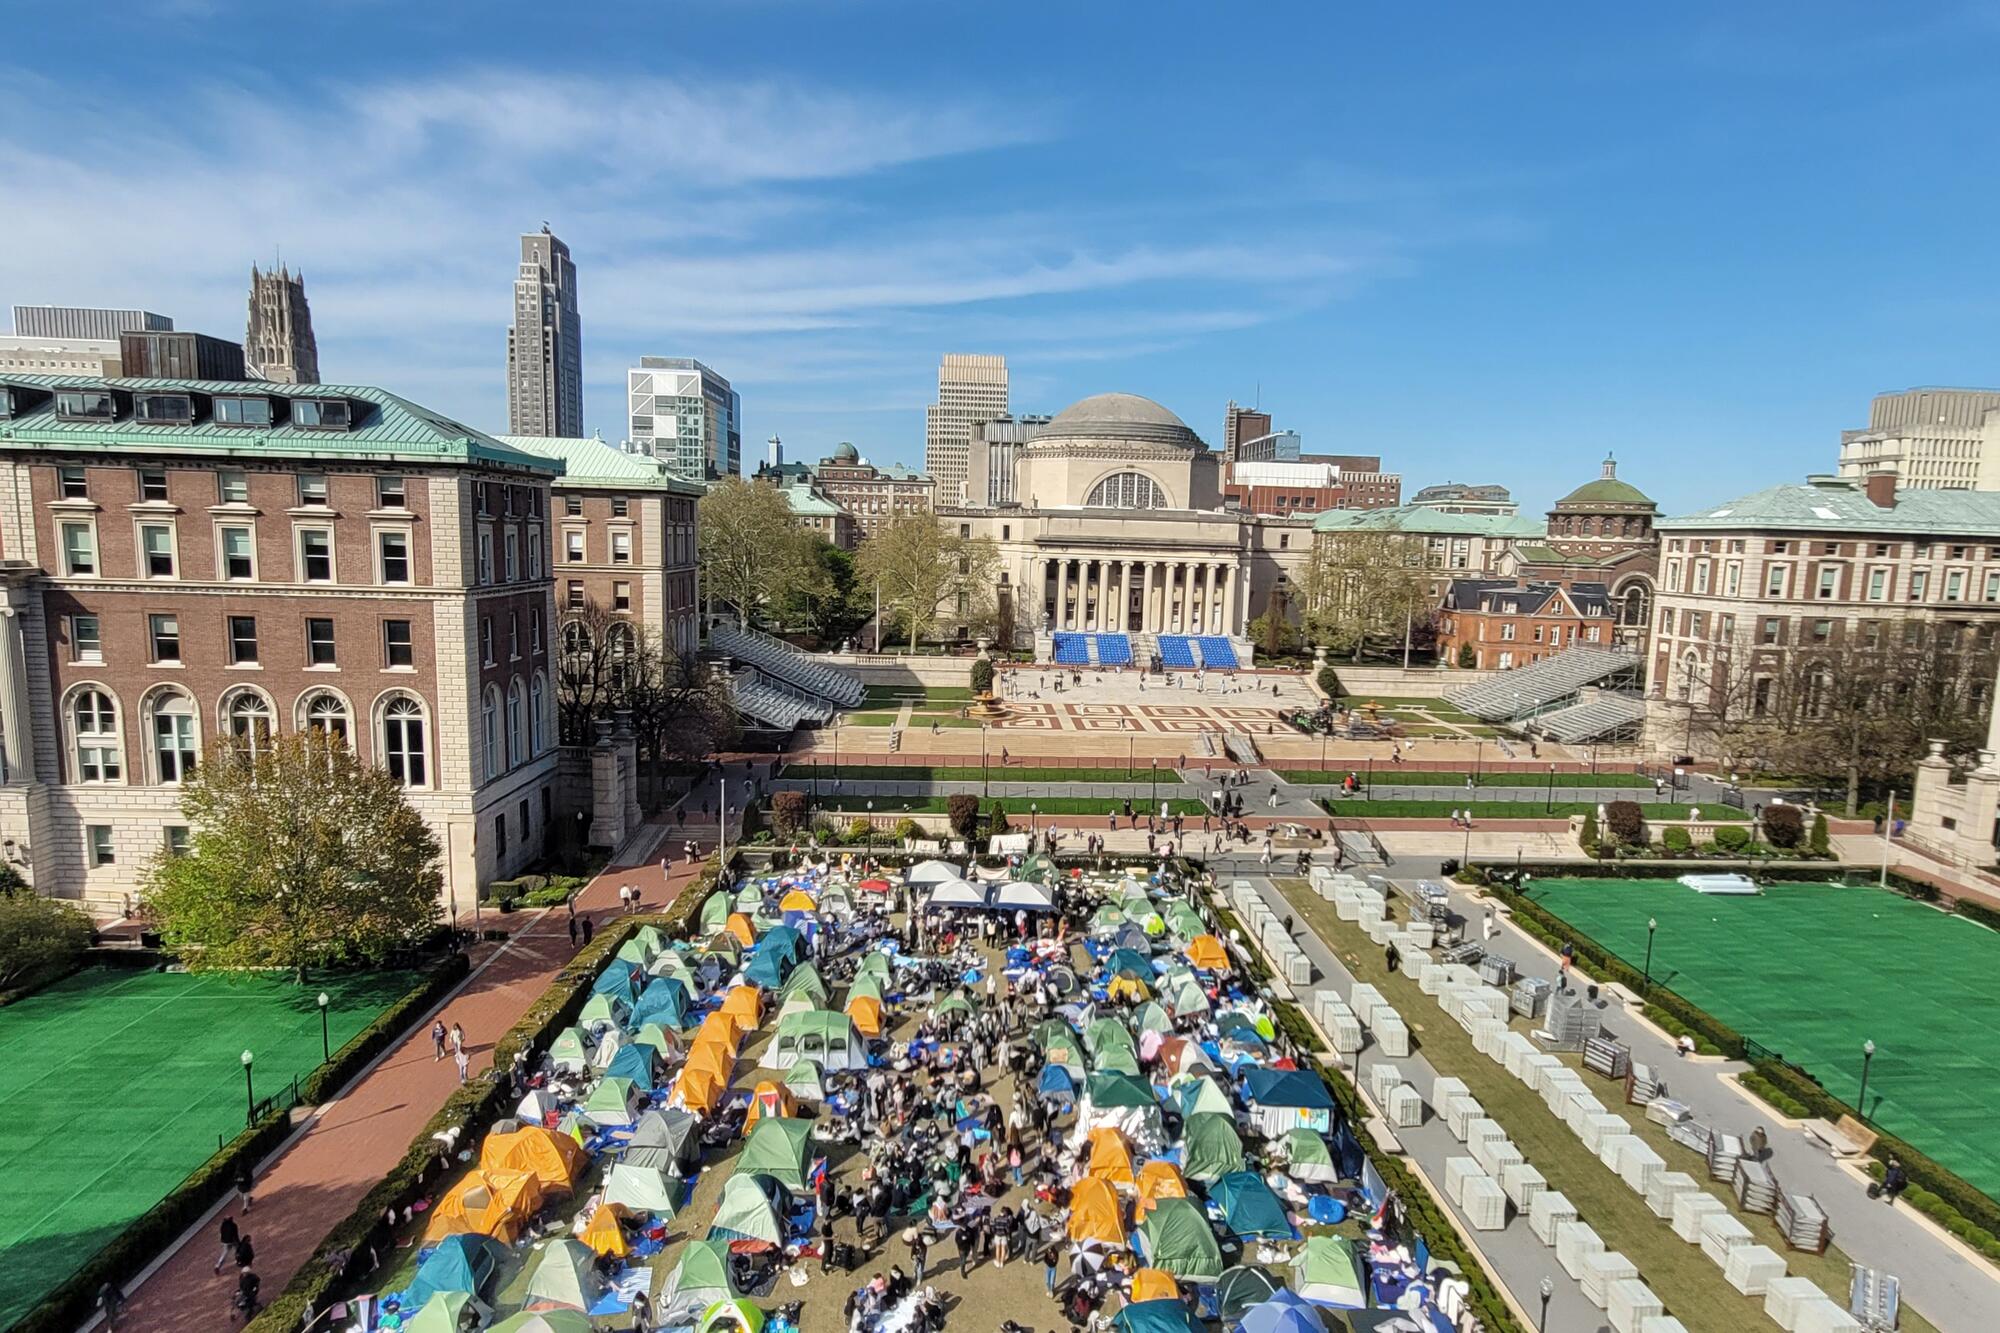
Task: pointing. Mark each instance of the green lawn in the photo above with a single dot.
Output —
(1691, 1286)
(114, 1085)
(1366, 809)
(887, 719)
(994, 770)
(1814, 970)
(1015, 805)
(1421, 778)
(878, 695)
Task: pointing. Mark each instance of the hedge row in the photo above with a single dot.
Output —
(387, 1028)
(354, 1245)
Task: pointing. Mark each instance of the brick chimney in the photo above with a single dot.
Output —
(1881, 489)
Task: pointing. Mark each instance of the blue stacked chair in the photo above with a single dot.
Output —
(1177, 651)
(1217, 651)
(1114, 650)
(1071, 650)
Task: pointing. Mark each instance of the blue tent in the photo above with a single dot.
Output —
(767, 971)
(1286, 1087)
(464, 1262)
(1165, 1315)
(1284, 1312)
(1056, 1082)
(1129, 963)
(1250, 1208)
(615, 979)
(634, 1062)
(785, 940)
(664, 1001)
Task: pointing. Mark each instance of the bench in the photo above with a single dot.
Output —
(1849, 1138)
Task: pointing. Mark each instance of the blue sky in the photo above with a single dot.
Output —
(1489, 242)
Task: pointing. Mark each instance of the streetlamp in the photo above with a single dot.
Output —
(1651, 925)
(1154, 794)
(1546, 1288)
(985, 780)
(1033, 808)
(325, 1041)
(1478, 753)
(1867, 1058)
(249, 1093)
(1549, 806)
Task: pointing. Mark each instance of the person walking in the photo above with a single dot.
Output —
(229, 1237)
(587, 928)
(110, 1303)
(438, 1035)
(243, 1182)
(920, 1246)
(247, 1284)
(1894, 1181)
(1051, 1255)
(245, 1253)
(572, 930)
(457, 1040)
(464, 1063)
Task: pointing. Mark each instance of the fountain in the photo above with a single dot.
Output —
(987, 707)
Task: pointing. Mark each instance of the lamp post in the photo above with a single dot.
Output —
(1547, 1288)
(325, 1040)
(1154, 793)
(1867, 1058)
(249, 1092)
(985, 778)
(1550, 805)
(1652, 925)
(1478, 753)
(1033, 808)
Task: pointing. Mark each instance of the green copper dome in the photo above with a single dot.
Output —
(1606, 490)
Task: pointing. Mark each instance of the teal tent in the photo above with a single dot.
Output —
(464, 1262)
(615, 980)
(1199, 1093)
(783, 940)
(1242, 1287)
(633, 1062)
(1165, 1315)
(665, 1000)
(1120, 1090)
(1210, 1147)
(1129, 963)
(1249, 1208)
(1175, 1236)
(767, 971)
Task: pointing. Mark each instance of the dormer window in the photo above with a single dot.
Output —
(85, 405)
(321, 413)
(163, 409)
(242, 411)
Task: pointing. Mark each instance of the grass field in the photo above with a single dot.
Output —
(1814, 970)
(1423, 778)
(114, 1085)
(1365, 809)
(937, 694)
(1016, 806)
(996, 771)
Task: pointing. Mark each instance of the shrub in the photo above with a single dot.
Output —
(996, 818)
(907, 829)
(1819, 842)
(1784, 826)
(1329, 681)
(789, 812)
(1676, 840)
(1587, 838)
(1468, 657)
(39, 938)
(1778, 1099)
(860, 830)
(982, 675)
(1626, 822)
(1732, 837)
(962, 811)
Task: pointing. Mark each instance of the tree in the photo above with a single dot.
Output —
(962, 813)
(1819, 842)
(1586, 838)
(754, 555)
(300, 856)
(1784, 826)
(789, 812)
(827, 604)
(588, 655)
(1363, 585)
(926, 571)
(1626, 822)
(1468, 656)
(982, 675)
(679, 709)
(38, 936)
(1273, 632)
(1329, 682)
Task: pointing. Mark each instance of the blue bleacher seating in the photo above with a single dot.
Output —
(1217, 653)
(1177, 651)
(1071, 650)
(1114, 650)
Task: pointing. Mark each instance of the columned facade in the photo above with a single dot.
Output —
(1113, 594)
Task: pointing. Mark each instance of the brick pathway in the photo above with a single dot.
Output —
(353, 1142)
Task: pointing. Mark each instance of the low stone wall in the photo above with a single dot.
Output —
(1396, 683)
(886, 669)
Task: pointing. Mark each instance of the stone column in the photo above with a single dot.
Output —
(16, 727)
(1231, 623)
(1062, 593)
(1093, 595)
(1146, 597)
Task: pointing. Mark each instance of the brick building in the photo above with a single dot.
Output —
(1508, 624)
(187, 558)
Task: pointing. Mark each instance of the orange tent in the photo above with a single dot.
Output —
(745, 1006)
(798, 900)
(773, 1099)
(709, 1058)
(554, 1160)
(603, 1234)
(699, 1090)
(722, 1029)
(1206, 952)
(1158, 1180)
(1094, 1213)
(739, 926)
(488, 1203)
(1154, 1284)
(866, 1011)
(1110, 1159)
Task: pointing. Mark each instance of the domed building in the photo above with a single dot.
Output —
(1119, 451)
(1601, 532)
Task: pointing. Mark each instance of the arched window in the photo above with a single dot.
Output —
(516, 732)
(489, 729)
(403, 752)
(171, 718)
(576, 638)
(99, 749)
(326, 711)
(1636, 609)
(1690, 666)
(538, 705)
(1127, 490)
(247, 716)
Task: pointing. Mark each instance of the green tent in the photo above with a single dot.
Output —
(1106, 919)
(610, 1102)
(1176, 1237)
(956, 1003)
(1120, 1090)
(816, 1034)
(737, 1316)
(1116, 1060)
(572, 1048)
(806, 1081)
(444, 1313)
(643, 1189)
(635, 952)
(1326, 1272)
(1250, 1208)
(1308, 1157)
(1184, 921)
(544, 1321)
(700, 1279)
(1210, 1146)
(1200, 1093)
(652, 937)
(1108, 1032)
(603, 1009)
(866, 983)
(779, 1147)
(1184, 997)
(566, 1278)
(745, 1212)
(673, 964)
(1152, 1018)
(875, 964)
(806, 980)
(715, 912)
(1242, 1287)
(749, 898)
(1039, 869)
(657, 1037)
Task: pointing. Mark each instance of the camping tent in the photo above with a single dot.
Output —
(1184, 996)
(806, 980)
(673, 964)
(874, 963)
(1106, 920)
(797, 900)
(1151, 1018)
(784, 940)
(612, 1102)
(1184, 921)
(603, 1234)
(701, 1278)
(643, 1189)
(445, 1312)
(462, 1263)
(1095, 1214)
(1129, 963)
(663, 1040)
(554, 1160)
(1283, 1099)
(1210, 1146)
(667, 1138)
(816, 1034)
(635, 952)
(1240, 1288)
(1176, 1236)
(720, 1029)
(1110, 1159)
(1165, 1315)
(544, 1321)
(866, 1011)
(1117, 1091)
(1158, 1179)
(1116, 1059)
(769, 1099)
(714, 912)
(711, 1058)
(778, 1148)
(1206, 952)
(487, 1203)
(956, 1003)
(1153, 1284)
(608, 1046)
(1198, 1093)
(615, 979)
(958, 893)
(740, 926)
(565, 1279)
(930, 872)
(768, 970)
(807, 1080)
(634, 1062)
(746, 1213)
(698, 1090)
(1284, 1312)
(665, 1000)
(1308, 1157)
(1104, 1033)
(737, 1316)
(1326, 1272)
(1249, 1208)
(571, 1050)
(746, 1006)
(1056, 1084)
(1127, 988)
(1018, 896)
(602, 1011)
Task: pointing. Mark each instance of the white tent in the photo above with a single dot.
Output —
(607, 1049)
(534, 1108)
(930, 872)
(1024, 896)
(957, 893)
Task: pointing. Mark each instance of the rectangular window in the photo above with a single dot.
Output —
(100, 845)
(396, 646)
(152, 483)
(621, 548)
(242, 640)
(485, 556)
(619, 507)
(321, 413)
(1829, 581)
(86, 641)
(1822, 630)
(73, 482)
(232, 486)
(513, 636)
(79, 545)
(1878, 584)
(621, 597)
(319, 642)
(238, 554)
(534, 553)
(486, 640)
(1775, 579)
(395, 550)
(166, 637)
(1993, 585)
(573, 505)
(1919, 584)
(1507, 632)
(575, 595)
(573, 547)
(176, 838)
(389, 493)
(163, 409)
(156, 549)
(1772, 628)
(312, 488)
(316, 555)
(86, 405)
(243, 411)
(1954, 586)
(483, 496)
(535, 629)
(511, 551)
(500, 834)
(1701, 575)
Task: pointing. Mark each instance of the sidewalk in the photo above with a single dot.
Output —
(351, 1143)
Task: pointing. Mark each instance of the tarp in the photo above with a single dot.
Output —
(1153, 1284)
(1176, 1236)
(1206, 952)
(603, 1234)
(745, 1212)
(816, 1034)
(1155, 1316)
(643, 1189)
(866, 1011)
(1249, 1208)
(1210, 1146)
(1158, 1180)
(737, 1316)
(462, 1263)
(544, 1321)
(768, 1099)
(554, 1160)
(1110, 1159)
(1284, 1312)
(778, 1148)
(1308, 1157)
(1094, 1213)
(565, 1279)
(1326, 1272)
(634, 1062)
(486, 1203)
(930, 872)
(612, 1101)
(1242, 1287)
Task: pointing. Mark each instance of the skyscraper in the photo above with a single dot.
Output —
(278, 342)
(1240, 425)
(684, 414)
(970, 389)
(545, 344)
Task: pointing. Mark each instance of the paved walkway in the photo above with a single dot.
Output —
(350, 1143)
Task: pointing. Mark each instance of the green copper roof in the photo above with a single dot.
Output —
(1430, 522)
(594, 464)
(805, 503)
(1606, 491)
(386, 427)
(1840, 506)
